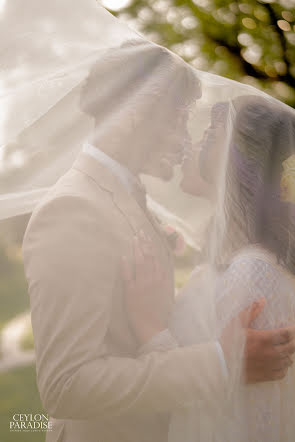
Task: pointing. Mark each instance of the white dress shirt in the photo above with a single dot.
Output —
(129, 181)
(164, 340)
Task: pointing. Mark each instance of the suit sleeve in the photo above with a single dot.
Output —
(70, 266)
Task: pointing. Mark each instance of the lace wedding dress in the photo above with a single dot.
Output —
(261, 412)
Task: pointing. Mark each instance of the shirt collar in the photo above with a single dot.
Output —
(129, 180)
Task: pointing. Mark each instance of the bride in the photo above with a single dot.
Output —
(253, 257)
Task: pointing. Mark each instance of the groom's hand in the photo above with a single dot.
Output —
(267, 353)
(148, 292)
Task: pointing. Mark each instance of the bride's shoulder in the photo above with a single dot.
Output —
(254, 267)
(253, 258)
(254, 273)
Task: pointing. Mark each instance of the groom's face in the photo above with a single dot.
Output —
(167, 150)
(161, 164)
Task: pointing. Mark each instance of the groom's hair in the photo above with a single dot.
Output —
(140, 91)
(263, 138)
(134, 71)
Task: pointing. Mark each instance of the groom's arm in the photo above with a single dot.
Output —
(165, 341)
(67, 249)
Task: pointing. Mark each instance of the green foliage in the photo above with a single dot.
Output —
(250, 41)
(27, 340)
(13, 289)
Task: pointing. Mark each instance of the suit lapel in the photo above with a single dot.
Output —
(136, 217)
(106, 179)
(125, 203)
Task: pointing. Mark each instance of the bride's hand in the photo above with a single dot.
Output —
(148, 291)
(267, 353)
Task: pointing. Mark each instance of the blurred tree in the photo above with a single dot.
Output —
(250, 41)
(14, 298)
(13, 289)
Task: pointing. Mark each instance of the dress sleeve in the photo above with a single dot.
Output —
(248, 279)
(163, 341)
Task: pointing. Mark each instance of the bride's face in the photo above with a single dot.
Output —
(192, 182)
(200, 167)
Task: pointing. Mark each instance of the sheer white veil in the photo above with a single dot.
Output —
(141, 92)
(72, 73)
(47, 50)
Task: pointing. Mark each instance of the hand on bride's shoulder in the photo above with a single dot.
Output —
(267, 353)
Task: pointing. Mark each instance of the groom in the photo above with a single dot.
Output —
(91, 378)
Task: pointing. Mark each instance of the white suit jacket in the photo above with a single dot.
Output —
(90, 377)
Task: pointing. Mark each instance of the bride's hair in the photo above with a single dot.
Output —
(252, 208)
